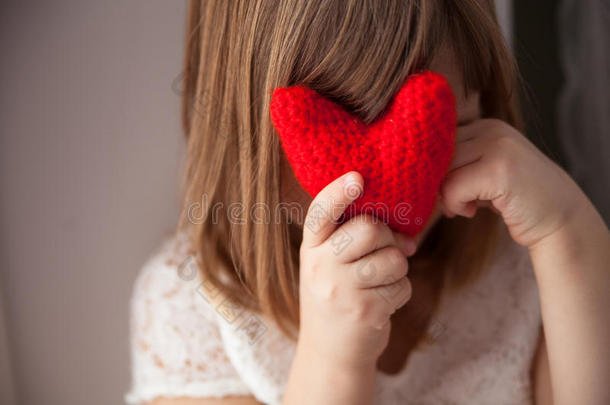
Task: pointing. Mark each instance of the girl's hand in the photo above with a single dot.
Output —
(494, 162)
(568, 242)
(352, 278)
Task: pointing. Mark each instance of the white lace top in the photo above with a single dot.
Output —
(185, 344)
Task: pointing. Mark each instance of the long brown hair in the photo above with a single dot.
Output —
(355, 52)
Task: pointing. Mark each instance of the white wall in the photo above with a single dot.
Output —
(90, 142)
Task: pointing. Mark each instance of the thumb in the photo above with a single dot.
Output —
(328, 206)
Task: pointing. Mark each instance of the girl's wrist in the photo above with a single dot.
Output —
(314, 379)
(355, 369)
(582, 237)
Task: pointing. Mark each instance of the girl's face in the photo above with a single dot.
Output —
(468, 109)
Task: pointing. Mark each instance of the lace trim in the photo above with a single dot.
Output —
(208, 389)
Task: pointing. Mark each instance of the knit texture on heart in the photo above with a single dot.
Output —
(403, 155)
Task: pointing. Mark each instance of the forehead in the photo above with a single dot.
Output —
(445, 63)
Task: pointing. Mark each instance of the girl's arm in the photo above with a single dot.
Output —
(569, 245)
(352, 278)
(540, 374)
(319, 379)
(572, 266)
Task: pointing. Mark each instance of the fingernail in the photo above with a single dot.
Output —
(411, 247)
(352, 188)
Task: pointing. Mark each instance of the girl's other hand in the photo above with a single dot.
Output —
(494, 162)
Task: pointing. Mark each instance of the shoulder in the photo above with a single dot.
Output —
(176, 345)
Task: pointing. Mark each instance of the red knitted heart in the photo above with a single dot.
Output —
(403, 155)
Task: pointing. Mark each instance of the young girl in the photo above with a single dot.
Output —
(502, 299)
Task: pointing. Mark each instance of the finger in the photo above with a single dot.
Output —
(468, 151)
(444, 210)
(405, 243)
(462, 187)
(362, 235)
(328, 206)
(488, 205)
(381, 267)
(392, 296)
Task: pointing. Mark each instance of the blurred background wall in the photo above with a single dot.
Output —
(90, 154)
